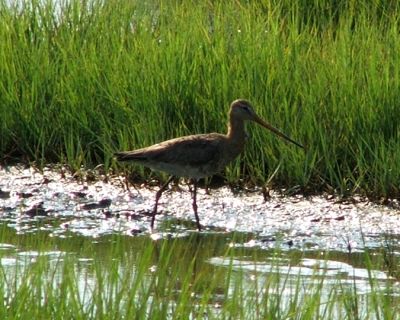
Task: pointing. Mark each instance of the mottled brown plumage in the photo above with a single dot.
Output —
(201, 155)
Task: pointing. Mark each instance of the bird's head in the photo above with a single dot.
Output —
(243, 110)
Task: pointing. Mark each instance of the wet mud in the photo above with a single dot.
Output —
(56, 201)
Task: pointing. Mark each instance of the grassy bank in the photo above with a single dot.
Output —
(121, 277)
(82, 80)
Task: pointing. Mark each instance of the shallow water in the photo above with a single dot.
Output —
(314, 235)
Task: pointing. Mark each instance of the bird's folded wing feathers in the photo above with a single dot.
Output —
(193, 152)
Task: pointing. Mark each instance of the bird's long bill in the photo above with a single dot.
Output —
(276, 131)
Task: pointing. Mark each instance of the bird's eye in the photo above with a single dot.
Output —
(246, 108)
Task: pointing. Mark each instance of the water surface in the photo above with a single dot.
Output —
(307, 238)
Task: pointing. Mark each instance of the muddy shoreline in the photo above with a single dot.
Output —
(57, 201)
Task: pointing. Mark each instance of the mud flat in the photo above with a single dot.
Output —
(65, 206)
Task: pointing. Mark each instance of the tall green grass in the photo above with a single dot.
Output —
(82, 79)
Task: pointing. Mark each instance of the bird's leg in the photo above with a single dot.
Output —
(194, 204)
(158, 196)
(206, 185)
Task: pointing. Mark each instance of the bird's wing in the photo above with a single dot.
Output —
(193, 150)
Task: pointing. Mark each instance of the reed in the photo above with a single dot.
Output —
(80, 80)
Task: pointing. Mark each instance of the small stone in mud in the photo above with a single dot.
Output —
(135, 231)
(36, 210)
(107, 214)
(146, 213)
(133, 216)
(7, 209)
(46, 180)
(79, 194)
(25, 195)
(268, 239)
(340, 218)
(4, 194)
(104, 203)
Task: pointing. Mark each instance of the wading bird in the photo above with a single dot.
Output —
(200, 155)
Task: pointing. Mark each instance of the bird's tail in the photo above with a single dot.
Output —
(127, 156)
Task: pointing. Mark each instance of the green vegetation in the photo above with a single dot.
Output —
(122, 277)
(83, 79)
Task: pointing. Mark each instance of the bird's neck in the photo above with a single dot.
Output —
(236, 130)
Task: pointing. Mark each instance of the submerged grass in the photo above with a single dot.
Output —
(123, 277)
(82, 79)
